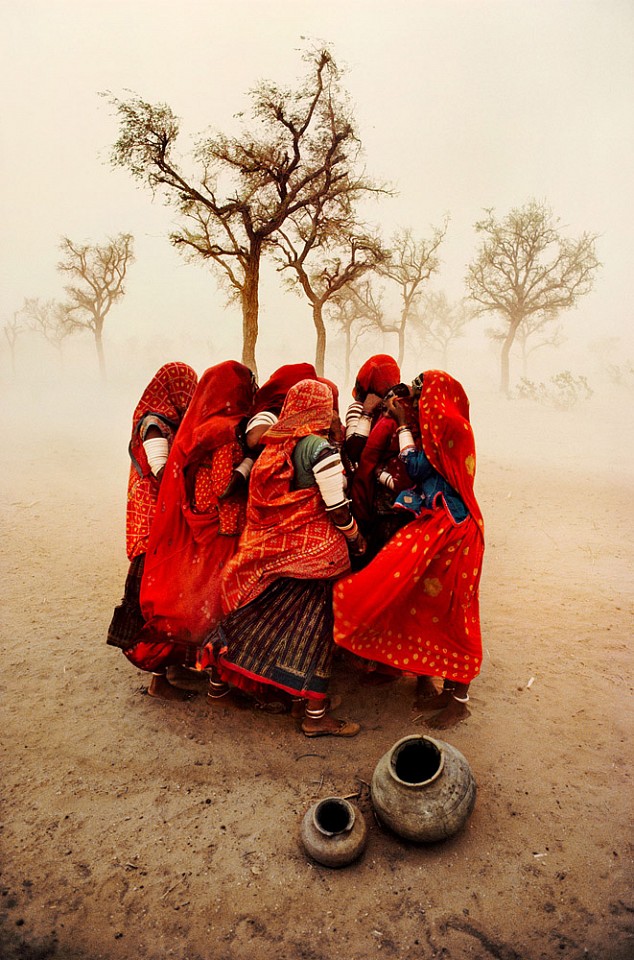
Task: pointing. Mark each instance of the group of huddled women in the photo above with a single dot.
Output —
(264, 536)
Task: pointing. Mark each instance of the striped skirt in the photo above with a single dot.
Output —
(282, 638)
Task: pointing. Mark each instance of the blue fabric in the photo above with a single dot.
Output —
(428, 484)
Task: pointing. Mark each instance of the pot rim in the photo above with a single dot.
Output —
(333, 833)
(409, 738)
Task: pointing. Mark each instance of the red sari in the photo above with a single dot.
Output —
(272, 394)
(194, 533)
(277, 589)
(415, 606)
(164, 402)
(288, 533)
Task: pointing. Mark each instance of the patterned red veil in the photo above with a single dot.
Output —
(415, 606)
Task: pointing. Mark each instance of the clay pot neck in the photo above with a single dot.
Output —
(333, 815)
(416, 761)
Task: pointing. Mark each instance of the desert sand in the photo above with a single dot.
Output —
(133, 828)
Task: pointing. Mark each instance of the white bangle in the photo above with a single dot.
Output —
(461, 699)
(405, 439)
(156, 450)
(245, 467)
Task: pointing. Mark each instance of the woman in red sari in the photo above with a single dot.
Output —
(277, 591)
(415, 607)
(196, 527)
(155, 421)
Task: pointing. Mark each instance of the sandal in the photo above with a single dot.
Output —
(346, 728)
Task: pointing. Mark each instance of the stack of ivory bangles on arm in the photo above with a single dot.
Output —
(329, 477)
(156, 450)
(405, 439)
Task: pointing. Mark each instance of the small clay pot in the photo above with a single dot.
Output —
(423, 789)
(334, 832)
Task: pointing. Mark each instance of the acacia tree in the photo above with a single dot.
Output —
(525, 268)
(12, 330)
(337, 259)
(440, 322)
(296, 154)
(50, 319)
(347, 310)
(410, 265)
(533, 334)
(97, 273)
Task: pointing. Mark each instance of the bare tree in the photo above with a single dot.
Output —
(50, 319)
(12, 330)
(348, 311)
(338, 260)
(97, 273)
(297, 153)
(526, 268)
(411, 264)
(533, 334)
(440, 322)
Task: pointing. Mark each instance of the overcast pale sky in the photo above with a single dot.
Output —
(463, 104)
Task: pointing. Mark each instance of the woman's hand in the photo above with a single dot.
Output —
(235, 485)
(395, 409)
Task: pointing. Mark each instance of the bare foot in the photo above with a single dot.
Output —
(432, 704)
(162, 689)
(451, 715)
(428, 696)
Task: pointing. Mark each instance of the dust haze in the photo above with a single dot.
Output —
(133, 828)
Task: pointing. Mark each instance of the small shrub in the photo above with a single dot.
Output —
(562, 391)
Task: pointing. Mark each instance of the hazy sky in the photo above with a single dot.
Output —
(462, 104)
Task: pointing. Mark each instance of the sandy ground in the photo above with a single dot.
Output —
(137, 829)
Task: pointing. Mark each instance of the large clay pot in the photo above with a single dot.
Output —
(334, 832)
(423, 789)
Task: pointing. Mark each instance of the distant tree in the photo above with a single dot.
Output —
(440, 322)
(325, 262)
(347, 311)
(525, 268)
(12, 330)
(533, 334)
(50, 319)
(97, 273)
(298, 153)
(411, 263)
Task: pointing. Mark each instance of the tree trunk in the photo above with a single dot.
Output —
(250, 309)
(100, 353)
(320, 348)
(401, 344)
(504, 358)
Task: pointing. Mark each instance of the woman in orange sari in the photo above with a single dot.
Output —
(277, 591)
(155, 421)
(415, 607)
(195, 531)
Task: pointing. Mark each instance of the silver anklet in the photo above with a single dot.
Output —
(461, 699)
(316, 714)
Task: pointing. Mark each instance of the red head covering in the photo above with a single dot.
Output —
(272, 394)
(446, 434)
(335, 392)
(167, 397)
(223, 397)
(378, 374)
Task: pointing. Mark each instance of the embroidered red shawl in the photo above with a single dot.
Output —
(180, 597)
(287, 533)
(166, 397)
